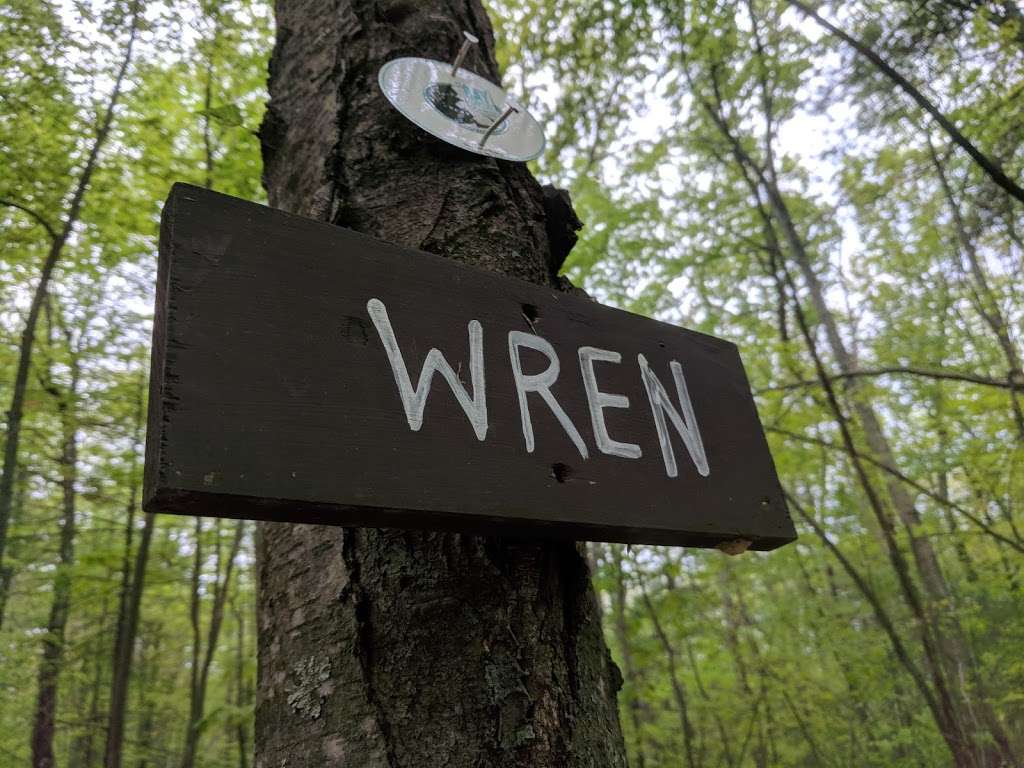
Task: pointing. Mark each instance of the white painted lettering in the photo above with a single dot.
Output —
(598, 401)
(541, 384)
(685, 424)
(414, 400)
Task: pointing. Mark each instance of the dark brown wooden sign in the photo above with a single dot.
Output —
(306, 373)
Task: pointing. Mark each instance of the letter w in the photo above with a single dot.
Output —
(414, 400)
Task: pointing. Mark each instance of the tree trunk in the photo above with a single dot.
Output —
(124, 646)
(93, 721)
(17, 504)
(950, 639)
(44, 720)
(984, 298)
(148, 736)
(243, 687)
(195, 620)
(28, 335)
(950, 634)
(83, 744)
(133, 578)
(774, 212)
(732, 622)
(679, 693)
(389, 648)
(201, 673)
(621, 629)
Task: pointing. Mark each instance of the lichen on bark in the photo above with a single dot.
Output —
(306, 695)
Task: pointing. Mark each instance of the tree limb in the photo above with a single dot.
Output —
(33, 214)
(881, 615)
(938, 498)
(987, 164)
(970, 378)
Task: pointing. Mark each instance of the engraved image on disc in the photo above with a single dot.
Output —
(460, 109)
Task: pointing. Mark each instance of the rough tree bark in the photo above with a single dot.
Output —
(389, 648)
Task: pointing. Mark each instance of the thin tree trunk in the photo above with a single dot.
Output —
(195, 619)
(621, 629)
(129, 606)
(678, 686)
(766, 674)
(854, 695)
(948, 720)
(208, 138)
(44, 720)
(243, 694)
(82, 748)
(985, 302)
(207, 121)
(7, 572)
(816, 752)
(940, 645)
(881, 615)
(197, 678)
(950, 636)
(58, 240)
(725, 738)
(134, 608)
(381, 647)
(201, 672)
(146, 730)
(732, 640)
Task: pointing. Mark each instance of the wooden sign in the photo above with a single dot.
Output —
(306, 373)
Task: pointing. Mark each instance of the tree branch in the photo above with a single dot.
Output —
(888, 370)
(881, 615)
(33, 214)
(987, 164)
(938, 498)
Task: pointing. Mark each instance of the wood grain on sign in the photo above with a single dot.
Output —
(286, 385)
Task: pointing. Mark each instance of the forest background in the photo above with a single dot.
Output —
(838, 193)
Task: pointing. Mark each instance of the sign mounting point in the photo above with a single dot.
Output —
(469, 42)
(460, 107)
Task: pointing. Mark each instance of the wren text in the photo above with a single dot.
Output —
(663, 408)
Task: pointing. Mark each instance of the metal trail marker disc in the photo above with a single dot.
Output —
(462, 109)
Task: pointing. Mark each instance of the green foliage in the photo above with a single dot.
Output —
(194, 95)
(742, 86)
(660, 117)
